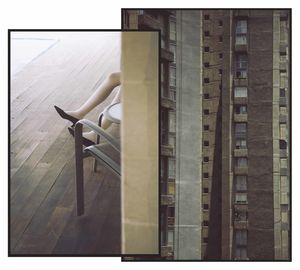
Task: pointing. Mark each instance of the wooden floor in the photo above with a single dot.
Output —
(42, 187)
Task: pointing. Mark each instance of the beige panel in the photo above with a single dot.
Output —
(140, 143)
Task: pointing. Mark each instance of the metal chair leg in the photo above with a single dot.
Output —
(79, 169)
(98, 140)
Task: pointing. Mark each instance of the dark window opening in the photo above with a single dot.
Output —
(206, 111)
(206, 33)
(206, 127)
(205, 190)
(206, 80)
(206, 159)
(282, 144)
(220, 55)
(220, 23)
(205, 222)
(220, 39)
(206, 143)
(205, 175)
(205, 206)
(206, 64)
(282, 92)
(206, 96)
(206, 17)
(206, 49)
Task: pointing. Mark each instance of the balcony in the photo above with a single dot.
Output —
(282, 118)
(171, 221)
(243, 13)
(283, 65)
(241, 207)
(241, 100)
(282, 101)
(168, 103)
(283, 153)
(147, 22)
(240, 224)
(240, 152)
(241, 170)
(240, 81)
(283, 171)
(166, 55)
(240, 117)
(166, 251)
(241, 47)
(167, 150)
(167, 199)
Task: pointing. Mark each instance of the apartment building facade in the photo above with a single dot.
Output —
(224, 132)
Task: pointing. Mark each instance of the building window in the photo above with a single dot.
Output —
(206, 159)
(220, 23)
(205, 175)
(205, 206)
(241, 109)
(172, 76)
(206, 112)
(206, 17)
(241, 66)
(241, 237)
(206, 127)
(283, 131)
(205, 240)
(172, 33)
(206, 33)
(240, 198)
(240, 215)
(206, 49)
(240, 91)
(164, 126)
(126, 18)
(206, 64)
(283, 163)
(240, 130)
(206, 80)
(171, 168)
(282, 92)
(240, 253)
(220, 86)
(205, 223)
(220, 39)
(241, 182)
(282, 110)
(241, 32)
(206, 143)
(220, 71)
(240, 143)
(170, 237)
(205, 190)
(206, 96)
(220, 55)
(173, 50)
(241, 162)
(171, 188)
(282, 144)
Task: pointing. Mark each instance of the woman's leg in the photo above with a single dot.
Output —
(105, 123)
(112, 81)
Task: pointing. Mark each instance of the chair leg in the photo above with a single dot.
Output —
(79, 169)
(98, 141)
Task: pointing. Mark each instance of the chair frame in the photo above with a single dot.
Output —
(81, 153)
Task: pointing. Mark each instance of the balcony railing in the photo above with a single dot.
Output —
(148, 22)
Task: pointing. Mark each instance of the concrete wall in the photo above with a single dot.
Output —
(139, 132)
(188, 137)
(260, 142)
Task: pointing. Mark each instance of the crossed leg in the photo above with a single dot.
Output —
(102, 92)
